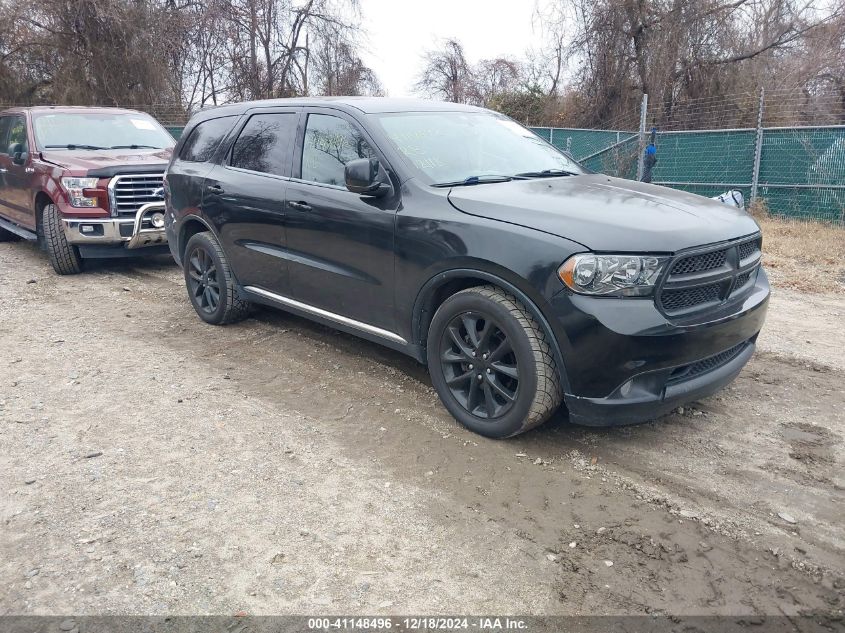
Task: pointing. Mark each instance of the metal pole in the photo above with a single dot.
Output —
(643, 112)
(758, 148)
(551, 135)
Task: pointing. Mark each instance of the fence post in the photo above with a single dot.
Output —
(758, 148)
(551, 136)
(643, 113)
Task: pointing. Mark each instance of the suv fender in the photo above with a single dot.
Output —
(183, 236)
(424, 309)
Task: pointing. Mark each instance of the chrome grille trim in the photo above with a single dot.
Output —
(709, 276)
(129, 192)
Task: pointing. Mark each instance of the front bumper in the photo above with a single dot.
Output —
(129, 233)
(627, 363)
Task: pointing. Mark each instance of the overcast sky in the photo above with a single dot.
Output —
(401, 30)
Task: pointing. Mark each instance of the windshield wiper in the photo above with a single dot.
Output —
(135, 147)
(73, 146)
(546, 173)
(474, 180)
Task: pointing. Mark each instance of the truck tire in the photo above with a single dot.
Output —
(491, 364)
(211, 286)
(64, 257)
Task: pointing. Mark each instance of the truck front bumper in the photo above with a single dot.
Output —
(145, 229)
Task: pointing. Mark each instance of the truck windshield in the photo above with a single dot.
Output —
(103, 130)
(453, 148)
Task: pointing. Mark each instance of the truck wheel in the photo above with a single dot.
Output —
(64, 257)
(211, 286)
(491, 364)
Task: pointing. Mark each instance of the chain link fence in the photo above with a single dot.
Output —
(797, 171)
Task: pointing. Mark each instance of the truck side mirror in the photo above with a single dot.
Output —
(17, 154)
(365, 176)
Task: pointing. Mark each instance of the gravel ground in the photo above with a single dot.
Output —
(153, 464)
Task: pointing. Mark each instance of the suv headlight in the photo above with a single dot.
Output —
(74, 187)
(612, 275)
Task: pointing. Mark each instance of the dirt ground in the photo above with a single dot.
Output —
(153, 464)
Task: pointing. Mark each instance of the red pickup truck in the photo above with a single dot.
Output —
(83, 182)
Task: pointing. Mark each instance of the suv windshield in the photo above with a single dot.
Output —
(100, 130)
(473, 147)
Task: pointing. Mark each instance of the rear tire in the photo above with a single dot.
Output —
(491, 363)
(210, 283)
(64, 256)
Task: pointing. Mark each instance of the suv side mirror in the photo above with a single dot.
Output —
(17, 154)
(365, 176)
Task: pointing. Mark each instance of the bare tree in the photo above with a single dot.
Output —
(446, 74)
(186, 53)
(676, 50)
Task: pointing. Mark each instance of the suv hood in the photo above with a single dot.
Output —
(607, 214)
(106, 158)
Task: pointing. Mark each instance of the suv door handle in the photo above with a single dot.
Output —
(3, 170)
(300, 206)
(214, 189)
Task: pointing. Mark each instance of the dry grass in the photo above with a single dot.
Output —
(805, 256)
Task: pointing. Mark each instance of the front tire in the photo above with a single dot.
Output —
(63, 256)
(491, 364)
(210, 283)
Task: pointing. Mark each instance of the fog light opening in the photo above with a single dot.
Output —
(157, 220)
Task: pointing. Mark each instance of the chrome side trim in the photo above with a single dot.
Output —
(337, 318)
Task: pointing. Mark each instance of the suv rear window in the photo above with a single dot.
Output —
(266, 143)
(204, 139)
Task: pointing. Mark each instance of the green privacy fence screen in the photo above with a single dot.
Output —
(801, 170)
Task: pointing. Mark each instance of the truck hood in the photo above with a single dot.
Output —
(107, 158)
(607, 214)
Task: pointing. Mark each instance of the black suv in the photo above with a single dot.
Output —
(457, 236)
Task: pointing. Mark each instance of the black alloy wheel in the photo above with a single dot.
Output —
(211, 286)
(203, 283)
(479, 365)
(491, 363)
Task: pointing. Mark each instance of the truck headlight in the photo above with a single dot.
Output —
(74, 187)
(612, 275)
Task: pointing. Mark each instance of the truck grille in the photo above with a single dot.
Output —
(709, 277)
(129, 193)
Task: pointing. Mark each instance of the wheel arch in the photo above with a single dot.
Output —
(190, 226)
(42, 199)
(446, 283)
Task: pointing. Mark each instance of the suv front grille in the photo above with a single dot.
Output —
(689, 297)
(709, 277)
(747, 249)
(129, 193)
(698, 263)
